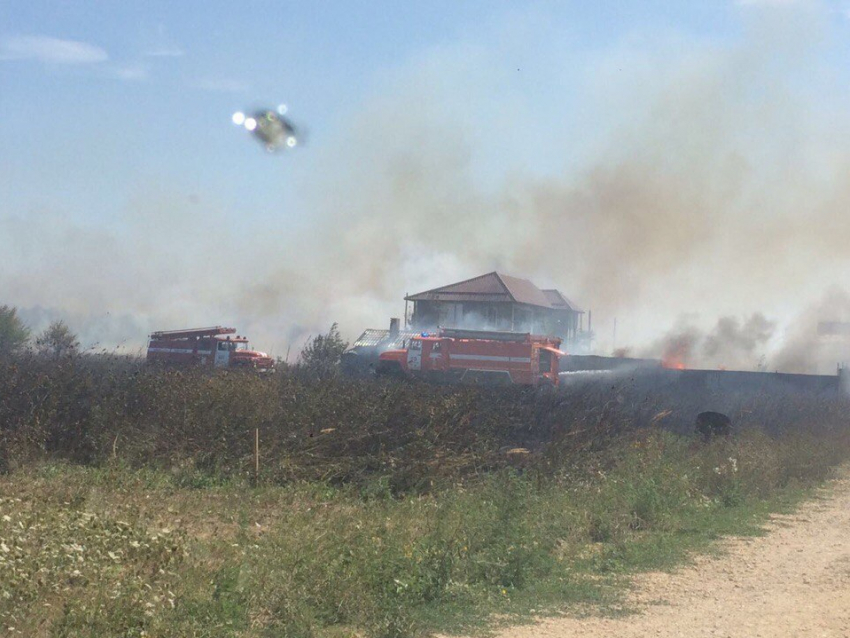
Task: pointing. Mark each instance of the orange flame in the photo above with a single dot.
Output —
(672, 364)
(675, 354)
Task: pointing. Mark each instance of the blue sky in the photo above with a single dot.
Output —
(152, 94)
(443, 139)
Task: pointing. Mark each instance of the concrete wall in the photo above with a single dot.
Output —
(731, 380)
(705, 380)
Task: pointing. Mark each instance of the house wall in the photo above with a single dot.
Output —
(562, 323)
(433, 314)
(428, 315)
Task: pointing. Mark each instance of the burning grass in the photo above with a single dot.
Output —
(409, 437)
(383, 509)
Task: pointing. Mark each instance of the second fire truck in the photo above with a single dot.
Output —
(477, 356)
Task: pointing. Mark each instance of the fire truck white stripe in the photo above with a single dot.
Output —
(485, 357)
(179, 350)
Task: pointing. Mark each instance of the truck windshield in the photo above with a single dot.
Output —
(232, 345)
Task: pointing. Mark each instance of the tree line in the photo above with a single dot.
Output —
(57, 340)
(320, 355)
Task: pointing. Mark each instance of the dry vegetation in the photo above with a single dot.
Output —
(383, 509)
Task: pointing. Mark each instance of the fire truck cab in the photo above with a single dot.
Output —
(477, 356)
(216, 346)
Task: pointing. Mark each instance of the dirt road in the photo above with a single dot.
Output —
(793, 582)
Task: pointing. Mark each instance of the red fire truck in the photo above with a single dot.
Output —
(477, 356)
(215, 346)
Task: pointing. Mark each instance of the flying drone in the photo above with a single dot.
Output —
(275, 131)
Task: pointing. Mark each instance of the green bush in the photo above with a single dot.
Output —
(320, 358)
(14, 335)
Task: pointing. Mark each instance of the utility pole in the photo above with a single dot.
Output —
(406, 295)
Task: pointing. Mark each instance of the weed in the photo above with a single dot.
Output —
(383, 509)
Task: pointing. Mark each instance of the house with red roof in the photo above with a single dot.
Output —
(497, 302)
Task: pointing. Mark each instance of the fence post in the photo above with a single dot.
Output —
(257, 456)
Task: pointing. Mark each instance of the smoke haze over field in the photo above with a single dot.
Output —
(729, 344)
(659, 177)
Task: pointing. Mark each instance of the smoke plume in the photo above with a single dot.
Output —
(669, 175)
(731, 343)
(804, 350)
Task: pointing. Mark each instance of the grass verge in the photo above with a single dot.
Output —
(110, 551)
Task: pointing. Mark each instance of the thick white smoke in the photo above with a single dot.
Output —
(669, 176)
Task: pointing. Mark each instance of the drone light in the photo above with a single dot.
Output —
(282, 109)
(250, 123)
(238, 118)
